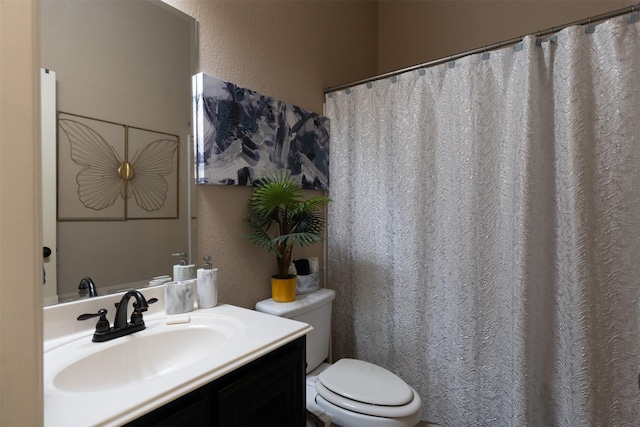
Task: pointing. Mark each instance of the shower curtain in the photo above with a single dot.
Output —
(484, 234)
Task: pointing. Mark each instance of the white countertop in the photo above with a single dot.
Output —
(260, 334)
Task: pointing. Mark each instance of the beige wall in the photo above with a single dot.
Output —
(20, 235)
(289, 50)
(293, 49)
(415, 32)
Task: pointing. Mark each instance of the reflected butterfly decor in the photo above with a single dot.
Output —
(105, 175)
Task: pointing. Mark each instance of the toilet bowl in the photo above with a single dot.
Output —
(360, 394)
(350, 392)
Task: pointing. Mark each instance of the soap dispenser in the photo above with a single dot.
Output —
(207, 284)
(182, 271)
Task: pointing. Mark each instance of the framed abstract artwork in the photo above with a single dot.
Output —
(241, 133)
(111, 171)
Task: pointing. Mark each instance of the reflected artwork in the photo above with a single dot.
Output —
(114, 171)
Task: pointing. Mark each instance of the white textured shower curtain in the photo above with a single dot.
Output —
(484, 235)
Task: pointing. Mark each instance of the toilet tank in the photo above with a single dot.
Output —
(314, 309)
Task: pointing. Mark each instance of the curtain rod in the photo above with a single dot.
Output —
(591, 20)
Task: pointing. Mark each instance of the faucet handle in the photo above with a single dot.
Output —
(103, 324)
(149, 301)
(136, 316)
(135, 304)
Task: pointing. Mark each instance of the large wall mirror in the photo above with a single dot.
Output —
(122, 81)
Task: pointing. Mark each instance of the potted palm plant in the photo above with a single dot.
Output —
(279, 217)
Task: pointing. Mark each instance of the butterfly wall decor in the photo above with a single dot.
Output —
(118, 171)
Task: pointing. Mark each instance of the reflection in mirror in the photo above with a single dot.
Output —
(124, 68)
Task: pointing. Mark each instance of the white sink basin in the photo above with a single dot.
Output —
(159, 349)
(138, 373)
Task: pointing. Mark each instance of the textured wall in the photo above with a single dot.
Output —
(414, 32)
(289, 50)
(328, 43)
(292, 49)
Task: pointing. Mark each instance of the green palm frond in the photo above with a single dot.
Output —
(276, 190)
(279, 216)
(260, 236)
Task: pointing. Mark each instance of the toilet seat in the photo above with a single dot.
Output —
(366, 388)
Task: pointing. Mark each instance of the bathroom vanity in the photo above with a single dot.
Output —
(266, 392)
(220, 366)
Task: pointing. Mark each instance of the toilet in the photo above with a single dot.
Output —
(348, 393)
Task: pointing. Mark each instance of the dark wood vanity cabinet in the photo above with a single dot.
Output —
(268, 392)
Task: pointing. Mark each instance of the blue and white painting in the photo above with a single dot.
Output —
(240, 134)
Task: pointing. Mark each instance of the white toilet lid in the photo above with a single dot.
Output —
(365, 382)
